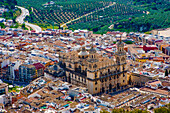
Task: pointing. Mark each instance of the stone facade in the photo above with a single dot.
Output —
(98, 73)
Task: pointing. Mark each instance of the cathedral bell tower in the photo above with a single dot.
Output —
(120, 54)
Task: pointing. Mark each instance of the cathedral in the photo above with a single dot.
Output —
(98, 73)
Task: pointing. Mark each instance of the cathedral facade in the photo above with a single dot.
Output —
(98, 73)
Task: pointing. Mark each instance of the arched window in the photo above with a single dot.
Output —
(100, 73)
(80, 68)
(123, 68)
(123, 59)
(118, 60)
(70, 66)
(95, 75)
(90, 66)
(95, 66)
(95, 82)
(108, 70)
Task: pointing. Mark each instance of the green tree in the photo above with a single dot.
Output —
(103, 111)
(2, 25)
(138, 111)
(120, 110)
(162, 110)
(128, 42)
(23, 26)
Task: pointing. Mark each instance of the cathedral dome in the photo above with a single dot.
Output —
(83, 52)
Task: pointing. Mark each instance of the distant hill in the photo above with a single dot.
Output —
(125, 15)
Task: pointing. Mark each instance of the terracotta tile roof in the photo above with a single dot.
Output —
(39, 66)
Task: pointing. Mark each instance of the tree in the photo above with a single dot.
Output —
(23, 26)
(103, 111)
(2, 25)
(138, 111)
(162, 110)
(120, 110)
(128, 42)
(166, 72)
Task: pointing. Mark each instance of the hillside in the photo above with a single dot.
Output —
(125, 15)
(11, 12)
(8, 11)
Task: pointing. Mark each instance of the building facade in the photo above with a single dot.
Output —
(98, 73)
(26, 72)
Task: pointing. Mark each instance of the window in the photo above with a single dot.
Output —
(96, 88)
(123, 80)
(123, 75)
(95, 75)
(2, 91)
(108, 70)
(100, 73)
(95, 66)
(95, 82)
(69, 66)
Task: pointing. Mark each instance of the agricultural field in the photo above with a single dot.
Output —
(61, 11)
(98, 15)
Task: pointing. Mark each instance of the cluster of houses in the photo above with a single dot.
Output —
(27, 56)
(47, 95)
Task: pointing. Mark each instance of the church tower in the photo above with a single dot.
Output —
(120, 56)
(93, 82)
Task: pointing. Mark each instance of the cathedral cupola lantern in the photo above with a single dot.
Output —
(83, 53)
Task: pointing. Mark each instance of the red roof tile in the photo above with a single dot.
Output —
(38, 66)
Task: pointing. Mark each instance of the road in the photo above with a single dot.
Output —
(20, 19)
(87, 14)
